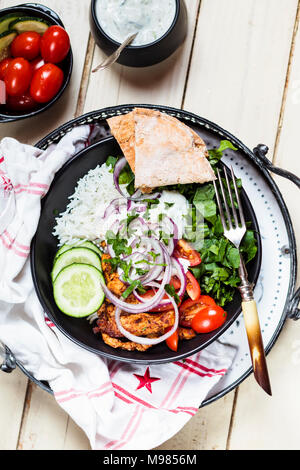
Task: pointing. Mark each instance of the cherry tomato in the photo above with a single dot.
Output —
(17, 76)
(55, 44)
(209, 319)
(192, 286)
(26, 45)
(190, 308)
(164, 308)
(3, 67)
(175, 282)
(46, 83)
(184, 250)
(172, 341)
(37, 64)
(21, 103)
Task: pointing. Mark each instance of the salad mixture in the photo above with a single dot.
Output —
(30, 50)
(145, 268)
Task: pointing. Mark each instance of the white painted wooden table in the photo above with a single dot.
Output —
(239, 67)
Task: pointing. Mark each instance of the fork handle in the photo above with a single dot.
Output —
(256, 345)
(253, 330)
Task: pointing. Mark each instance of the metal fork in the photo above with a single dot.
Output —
(234, 226)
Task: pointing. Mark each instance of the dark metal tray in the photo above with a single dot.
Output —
(245, 159)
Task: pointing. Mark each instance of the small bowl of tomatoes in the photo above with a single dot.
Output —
(36, 61)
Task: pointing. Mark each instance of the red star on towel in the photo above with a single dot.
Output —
(146, 380)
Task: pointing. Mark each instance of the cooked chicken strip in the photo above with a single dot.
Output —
(128, 345)
(186, 333)
(140, 324)
(113, 282)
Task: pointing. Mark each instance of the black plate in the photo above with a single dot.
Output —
(44, 247)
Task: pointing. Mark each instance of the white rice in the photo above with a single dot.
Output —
(82, 218)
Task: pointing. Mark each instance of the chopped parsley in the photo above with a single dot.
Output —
(119, 245)
(141, 272)
(145, 261)
(111, 161)
(172, 292)
(134, 285)
(153, 255)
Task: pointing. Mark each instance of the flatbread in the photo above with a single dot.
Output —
(160, 149)
(122, 128)
(168, 152)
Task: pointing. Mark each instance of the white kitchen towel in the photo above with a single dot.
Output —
(118, 405)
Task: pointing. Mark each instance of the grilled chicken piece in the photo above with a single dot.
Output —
(140, 324)
(188, 314)
(113, 282)
(145, 324)
(106, 322)
(186, 333)
(128, 345)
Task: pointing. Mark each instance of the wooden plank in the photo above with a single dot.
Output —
(47, 426)
(271, 423)
(236, 82)
(279, 427)
(77, 24)
(12, 396)
(75, 438)
(41, 411)
(286, 151)
(239, 65)
(161, 84)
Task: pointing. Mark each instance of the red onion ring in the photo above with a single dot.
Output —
(138, 195)
(113, 207)
(181, 276)
(140, 308)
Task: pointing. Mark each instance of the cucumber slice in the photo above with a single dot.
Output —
(91, 246)
(86, 244)
(77, 290)
(28, 23)
(5, 40)
(75, 255)
(6, 20)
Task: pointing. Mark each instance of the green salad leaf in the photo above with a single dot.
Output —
(218, 272)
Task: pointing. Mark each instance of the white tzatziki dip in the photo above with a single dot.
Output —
(122, 18)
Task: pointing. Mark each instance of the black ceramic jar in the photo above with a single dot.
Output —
(145, 55)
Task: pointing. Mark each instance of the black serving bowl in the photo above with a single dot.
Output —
(43, 12)
(149, 54)
(44, 247)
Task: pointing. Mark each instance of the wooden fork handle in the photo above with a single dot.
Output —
(256, 345)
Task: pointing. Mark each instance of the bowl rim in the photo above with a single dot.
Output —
(55, 20)
(142, 46)
(114, 353)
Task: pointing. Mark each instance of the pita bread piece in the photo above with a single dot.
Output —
(168, 152)
(123, 129)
